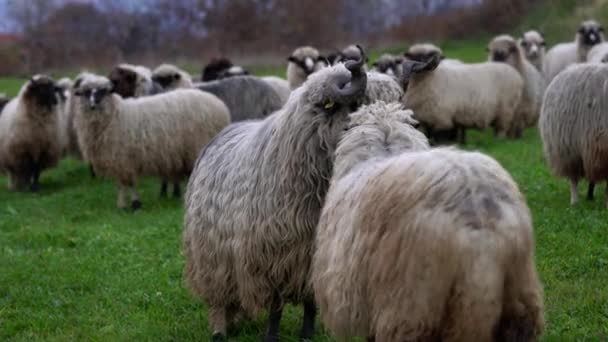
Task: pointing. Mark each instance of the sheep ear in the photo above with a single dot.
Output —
(292, 59)
(408, 55)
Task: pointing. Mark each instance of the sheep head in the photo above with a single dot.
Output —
(307, 59)
(346, 90)
(216, 66)
(93, 90)
(422, 52)
(168, 76)
(590, 33)
(42, 92)
(411, 67)
(504, 49)
(533, 44)
(124, 81)
(388, 64)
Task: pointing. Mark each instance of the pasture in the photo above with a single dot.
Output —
(73, 267)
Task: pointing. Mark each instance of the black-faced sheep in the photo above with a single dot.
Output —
(159, 135)
(422, 245)
(302, 63)
(448, 96)
(222, 67)
(562, 55)
(534, 46)
(170, 77)
(254, 199)
(504, 49)
(573, 125)
(388, 64)
(30, 133)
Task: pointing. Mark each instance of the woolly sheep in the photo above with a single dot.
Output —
(422, 52)
(504, 49)
(133, 81)
(30, 140)
(534, 46)
(448, 96)
(562, 55)
(302, 63)
(388, 64)
(418, 245)
(573, 125)
(158, 135)
(598, 54)
(382, 87)
(254, 199)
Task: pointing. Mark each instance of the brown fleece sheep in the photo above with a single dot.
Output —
(30, 139)
(423, 245)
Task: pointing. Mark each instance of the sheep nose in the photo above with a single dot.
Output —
(499, 57)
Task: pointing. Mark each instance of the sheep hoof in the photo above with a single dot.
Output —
(135, 205)
(218, 337)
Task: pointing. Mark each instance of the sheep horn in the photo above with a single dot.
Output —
(358, 81)
(413, 67)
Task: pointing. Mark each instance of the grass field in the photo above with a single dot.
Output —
(73, 267)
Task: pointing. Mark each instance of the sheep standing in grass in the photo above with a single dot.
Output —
(534, 47)
(30, 137)
(504, 49)
(448, 96)
(158, 135)
(302, 63)
(573, 125)
(254, 199)
(562, 55)
(422, 245)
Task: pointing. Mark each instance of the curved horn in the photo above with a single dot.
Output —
(342, 89)
(413, 67)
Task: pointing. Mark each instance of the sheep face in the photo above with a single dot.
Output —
(215, 68)
(124, 82)
(422, 52)
(590, 33)
(388, 65)
(307, 59)
(94, 93)
(504, 49)
(167, 80)
(533, 45)
(42, 92)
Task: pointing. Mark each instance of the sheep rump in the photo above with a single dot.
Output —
(416, 244)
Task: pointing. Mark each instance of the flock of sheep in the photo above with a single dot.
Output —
(322, 189)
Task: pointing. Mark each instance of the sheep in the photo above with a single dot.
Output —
(505, 49)
(30, 140)
(302, 63)
(170, 77)
(254, 199)
(158, 135)
(388, 64)
(448, 96)
(562, 55)
(418, 244)
(222, 67)
(133, 81)
(598, 54)
(573, 125)
(534, 46)
(422, 52)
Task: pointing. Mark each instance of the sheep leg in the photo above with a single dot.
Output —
(274, 318)
(35, 187)
(308, 324)
(217, 319)
(92, 171)
(590, 191)
(163, 189)
(135, 202)
(177, 191)
(462, 136)
(13, 182)
(122, 202)
(573, 191)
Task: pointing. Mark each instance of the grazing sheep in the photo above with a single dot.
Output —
(388, 64)
(302, 63)
(219, 68)
(247, 97)
(448, 96)
(170, 77)
(254, 199)
(422, 52)
(422, 245)
(281, 86)
(534, 47)
(562, 55)
(598, 54)
(504, 49)
(573, 125)
(158, 135)
(133, 81)
(30, 140)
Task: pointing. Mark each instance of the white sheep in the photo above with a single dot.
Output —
(159, 135)
(573, 125)
(302, 62)
(448, 96)
(422, 245)
(504, 49)
(254, 199)
(562, 55)
(534, 46)
(30, 133)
